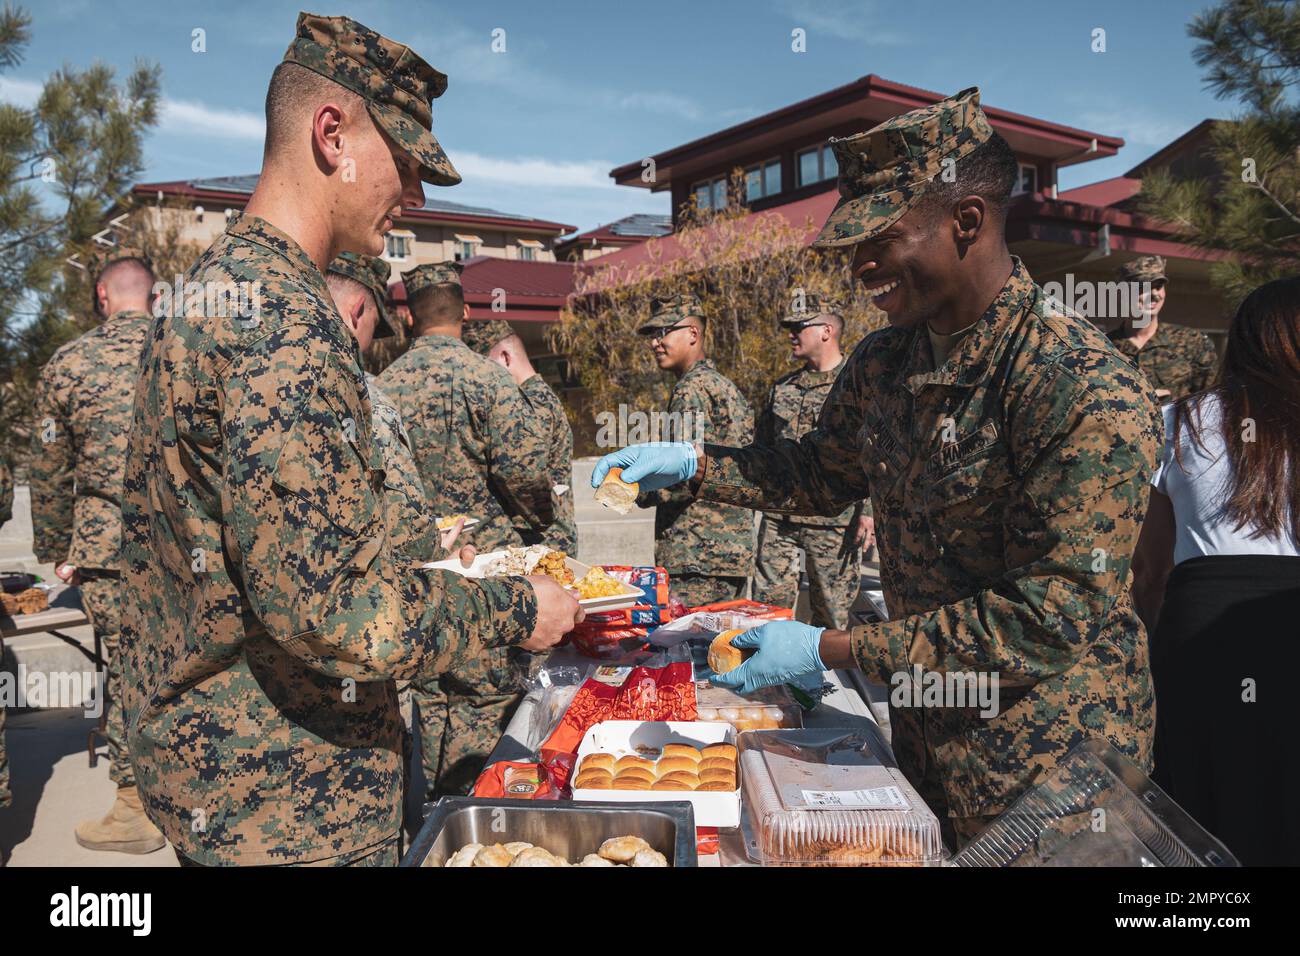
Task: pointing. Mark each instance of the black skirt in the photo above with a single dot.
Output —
(1225, 659)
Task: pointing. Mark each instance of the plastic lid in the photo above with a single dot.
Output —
(834, 798)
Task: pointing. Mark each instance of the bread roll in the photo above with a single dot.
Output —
(648, 774)
(669, 783)
(669, 764)
(623, 849)
(682, 750)
(722, 656)
(595, 859)
(616, 493)
(717, 763)
(649, 858)
(720, 750)
(625, 763)
(632, 783)
(465, 855)
(594, 780)
(536, 856)
(494, 855)
(598, 762)
(722, 786)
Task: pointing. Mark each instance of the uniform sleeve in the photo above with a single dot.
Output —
(820, 474)
(765, 429)
(517, 449)
(1086, 454)
(304, 505)
(52, 470)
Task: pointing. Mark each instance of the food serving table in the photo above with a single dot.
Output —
(842, 707)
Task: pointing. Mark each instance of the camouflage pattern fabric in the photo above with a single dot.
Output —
(83, 416)
(793, 405)
(386, 853)
(667, 311)
(415, 528)
(561, 535)
(6, 491)
(372, 272)
(101, 595)
(266, 614)
(884, 171)
(699, 537)
(481, 451)
(1143, 269)
(697, 589)
(833, 565)
(1176, 358)
(430, 274)
(398, 86)
(479, 447)
(1004, 550)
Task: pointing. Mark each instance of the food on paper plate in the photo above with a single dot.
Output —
(552, 564)
(617, 851)
(616, 493)
(597, 583)
(722, 656)
(449, 521)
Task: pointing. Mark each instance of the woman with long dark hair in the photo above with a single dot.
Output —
(1217, 582)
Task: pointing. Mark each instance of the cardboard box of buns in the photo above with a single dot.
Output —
(632, 761)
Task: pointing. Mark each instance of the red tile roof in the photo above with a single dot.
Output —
(1106, 192)
(532, 291)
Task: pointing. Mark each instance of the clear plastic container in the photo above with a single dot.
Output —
(768, 709)
(1097, 808)
(833, 798)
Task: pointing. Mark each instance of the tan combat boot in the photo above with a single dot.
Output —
(126, 829)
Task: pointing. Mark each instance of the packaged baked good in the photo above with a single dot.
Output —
(833, 797)
(770, 708)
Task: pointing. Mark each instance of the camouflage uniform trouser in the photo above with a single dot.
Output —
(5, 796)
(385, 853)
(697, 589)
(101, 598)
(461, 718)
(834, 569)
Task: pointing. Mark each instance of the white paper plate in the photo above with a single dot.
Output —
(469, 523)
(628, 597)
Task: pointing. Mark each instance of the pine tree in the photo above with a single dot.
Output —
(1251, 208)
(63, 164)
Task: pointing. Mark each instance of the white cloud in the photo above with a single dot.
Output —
(534, 172)
(191, 117)
(669, 103)
(843, 19)
(1137, 129)
(23, 93)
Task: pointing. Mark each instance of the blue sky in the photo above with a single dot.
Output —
(583, 87)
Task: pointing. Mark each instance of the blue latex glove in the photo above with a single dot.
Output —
(788, 652)
(653, 465)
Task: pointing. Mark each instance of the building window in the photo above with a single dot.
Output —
(466, 247)
(712, 193)
(763, 180)
(528, 249)
(397, 245)
(1028, 181)
(816, 164)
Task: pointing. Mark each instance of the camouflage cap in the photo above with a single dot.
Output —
(482, 335)
(104, 256)
(667, 311)
(431, 274)
(1143, 269)
(808, 306)
(398, 86)
(371, 272)
(884, 171)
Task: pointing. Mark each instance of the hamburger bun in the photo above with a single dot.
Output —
(722, 656)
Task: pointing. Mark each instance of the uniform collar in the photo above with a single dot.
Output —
(702, 365)
(127, 315)
(256, 230)
(811, 377)
(1123, 339)
(975, 356)
(432, 341)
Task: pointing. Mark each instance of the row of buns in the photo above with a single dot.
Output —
(680, 767)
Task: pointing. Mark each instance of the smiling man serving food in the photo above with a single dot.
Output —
(1006, 448)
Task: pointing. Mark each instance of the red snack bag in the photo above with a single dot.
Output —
(653, 582)
(706, 840)
(516, 781)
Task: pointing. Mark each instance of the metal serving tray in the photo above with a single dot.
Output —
(569, 829)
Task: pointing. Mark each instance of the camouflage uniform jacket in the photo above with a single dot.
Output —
(701, 537)
(83, 415)
(563, 534)
(266, 615)
(1009, 487)
(793, 406)
(1180, 359)
(414, 527)
(479, 446)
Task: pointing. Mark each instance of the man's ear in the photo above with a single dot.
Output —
(327, 135)
(464, 314)
(357, 310)
(969, 220)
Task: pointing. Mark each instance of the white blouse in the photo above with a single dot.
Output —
(1199, 487)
